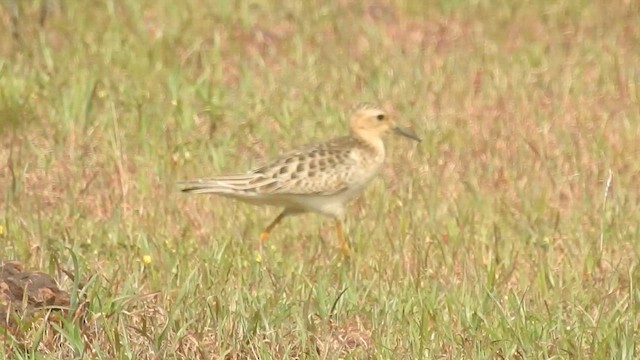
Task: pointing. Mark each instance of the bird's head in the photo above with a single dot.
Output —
(372, 123)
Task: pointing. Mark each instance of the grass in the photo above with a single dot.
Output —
(510, 232)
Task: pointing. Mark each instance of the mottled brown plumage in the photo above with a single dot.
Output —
(319, 178)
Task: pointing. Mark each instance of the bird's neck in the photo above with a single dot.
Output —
(372, 144)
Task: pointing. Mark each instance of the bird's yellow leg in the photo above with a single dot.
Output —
(343, 243)
(264, 236)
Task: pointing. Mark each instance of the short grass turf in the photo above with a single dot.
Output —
(510, 232)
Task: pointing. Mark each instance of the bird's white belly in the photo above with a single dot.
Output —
(330, 205)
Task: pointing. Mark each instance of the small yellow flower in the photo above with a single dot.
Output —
(1, 230)
(146, 259)
(258, 257)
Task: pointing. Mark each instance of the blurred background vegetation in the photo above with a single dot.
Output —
(511, 231)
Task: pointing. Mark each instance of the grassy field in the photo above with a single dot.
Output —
(511, 232)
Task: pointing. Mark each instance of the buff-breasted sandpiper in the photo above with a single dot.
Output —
(320, 178)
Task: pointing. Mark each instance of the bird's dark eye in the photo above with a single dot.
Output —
(380, 117)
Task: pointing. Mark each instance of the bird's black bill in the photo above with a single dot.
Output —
(407, 133)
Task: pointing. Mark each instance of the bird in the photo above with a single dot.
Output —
(318, 178)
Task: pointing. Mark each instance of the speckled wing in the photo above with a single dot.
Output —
(320, 169)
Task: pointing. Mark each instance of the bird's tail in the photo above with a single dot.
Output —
(233, 185)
